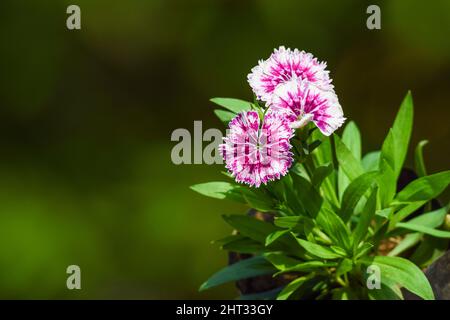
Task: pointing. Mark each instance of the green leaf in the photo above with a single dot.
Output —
(343, 294)
(403, 272)
(227, 239)
(259, 230)
(224, 116)
(334, 227)
(351, 137)
(318, 250)
(405, 212)
(265, 295)
(362, 249)
(385, 292)
(258, 199)
(425, 188)
(408, 242)
(240, 243)
(280, 261)
(379, 233)
(320, 174)
(247, 268)
(234, 105)
(309, 197)
(354, 192)
(288, 222)
(291, 287)
(387, 181)
(339, 250)
(275, 235)
(285, 264)
(323, 155)
(385, 213)
(371, 161)
(219, 190)
(419, 163)
(429, 250)
(402, 129)
(299, 169)
(307, 266)
(346, 265)
(395, 146)
(292, 200)
(420, 228)
(387, 156)
(365, 218)
(347, 162)
(431, 219)
(248, 226)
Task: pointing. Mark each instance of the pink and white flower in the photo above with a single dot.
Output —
(283, 65)
(256, 153)
(301, 102)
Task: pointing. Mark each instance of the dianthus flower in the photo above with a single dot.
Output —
(283, 65)
(301, 102)
(256, 152)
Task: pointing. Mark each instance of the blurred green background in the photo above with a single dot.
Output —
(86, 117)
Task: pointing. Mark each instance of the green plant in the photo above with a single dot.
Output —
(334, 214)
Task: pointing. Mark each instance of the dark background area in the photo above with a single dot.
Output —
(86, 117)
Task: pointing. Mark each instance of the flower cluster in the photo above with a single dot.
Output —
(296, 89)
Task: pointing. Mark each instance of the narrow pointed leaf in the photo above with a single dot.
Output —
(224, 116)
(234, 105)
(365, 218)
(247, 268)
(253, 228)
(402, 129)
(420, 228)
(291, 287)
(219, 190)
(334, 227)
(351, 137)
(318, 250)
(425, 188)
(354, 192)
(347, 162)
(419, 163)
(371, 160)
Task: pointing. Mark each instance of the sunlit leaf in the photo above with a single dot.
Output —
(351, 137)
(371, 160)
(403, 272)
(234, 105)
(334, 227)
(354, 192)
(224, 116)
(365, 218)
(425, 188)
(347, 162)
(219, 190)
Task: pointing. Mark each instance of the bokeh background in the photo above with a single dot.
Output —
(86, 117)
